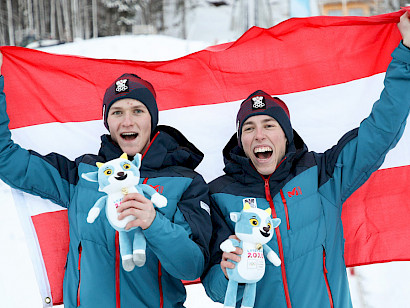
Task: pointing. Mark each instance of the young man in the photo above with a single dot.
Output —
(177, 235)
(267, 158)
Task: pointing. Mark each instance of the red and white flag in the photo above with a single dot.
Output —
(329, 71)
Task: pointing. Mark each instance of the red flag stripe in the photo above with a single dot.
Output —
(53, 238)
(269, 58)
(376, 219)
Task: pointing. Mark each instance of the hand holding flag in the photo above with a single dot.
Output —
(404, 27)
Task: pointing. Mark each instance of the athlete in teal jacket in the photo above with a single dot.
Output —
(271, 167)
(177, 235)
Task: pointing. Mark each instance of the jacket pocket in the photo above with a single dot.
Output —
(329, 292)
(285, 206)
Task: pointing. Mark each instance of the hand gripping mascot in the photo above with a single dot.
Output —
(117, 178)
(254, 227)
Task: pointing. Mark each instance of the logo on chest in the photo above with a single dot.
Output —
(296, 191)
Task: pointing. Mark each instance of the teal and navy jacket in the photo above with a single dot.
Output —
(177, 240)
(306, 192)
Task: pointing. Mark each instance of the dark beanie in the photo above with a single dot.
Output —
(131, 86)
(261, 103)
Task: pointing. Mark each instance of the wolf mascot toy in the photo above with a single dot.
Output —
(254, 227)
(117, 178)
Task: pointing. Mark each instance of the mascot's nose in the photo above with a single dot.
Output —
(121, 176)
(266, 229)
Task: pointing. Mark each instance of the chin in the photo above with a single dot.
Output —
(130, 152)
(265, 170)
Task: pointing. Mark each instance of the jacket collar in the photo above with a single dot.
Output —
(168, 147)
(241, 168)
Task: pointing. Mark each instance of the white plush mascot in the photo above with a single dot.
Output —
(254, 227)
(117, 178)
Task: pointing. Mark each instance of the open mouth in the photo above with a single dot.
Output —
(263, 152)
(121, 177)
(129, 136)
(265, 234)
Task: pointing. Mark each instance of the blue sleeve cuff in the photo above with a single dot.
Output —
(156, 226)
(402, 53)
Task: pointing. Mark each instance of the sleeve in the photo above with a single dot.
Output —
(182, 254)
(45, 176)
(362, 151)
(213, 279)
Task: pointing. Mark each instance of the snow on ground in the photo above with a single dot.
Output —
(379, 285)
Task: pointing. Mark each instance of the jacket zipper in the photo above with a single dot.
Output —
(281, 255)
(80, 250)
(118, 255)
(161, 296)
(286, 208)
(326, 280)
(117, 270)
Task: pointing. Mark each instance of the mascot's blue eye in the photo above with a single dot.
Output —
(254, 222)
(108, 172)
(126, 166)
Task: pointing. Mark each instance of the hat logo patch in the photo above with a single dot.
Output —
(258, 102)
(121, 86)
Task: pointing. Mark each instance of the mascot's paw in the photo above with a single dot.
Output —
(227, 246)
(138, 256)
(273, 257)
(93, 214)
(128, 263)
(159, 200)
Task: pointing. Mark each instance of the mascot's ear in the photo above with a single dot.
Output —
(246, 206)
(235, 216)
(90, 176)
(137, 160)
(276, 222)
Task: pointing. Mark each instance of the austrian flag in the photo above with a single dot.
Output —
(328, 70)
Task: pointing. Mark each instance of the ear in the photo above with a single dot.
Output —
(235, 216)
(246, 206)
(269, 211)
(124, 156)
(90, 176)
(276, 222)
(137, 160)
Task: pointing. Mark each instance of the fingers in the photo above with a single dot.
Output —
(143, 223)
(233, 236)
(228, 258)
(134, 201)
(404, 28)
(138, 206)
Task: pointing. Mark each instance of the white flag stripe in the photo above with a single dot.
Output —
(209, 127)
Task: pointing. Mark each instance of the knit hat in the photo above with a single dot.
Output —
(131, 86)
(261, 103)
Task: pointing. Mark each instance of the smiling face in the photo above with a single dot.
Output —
(129, 123)
(264, 142)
